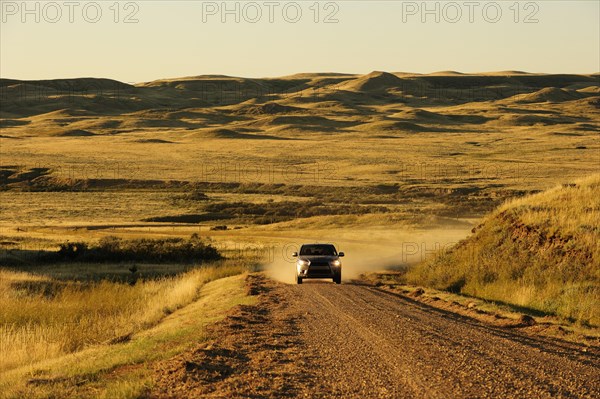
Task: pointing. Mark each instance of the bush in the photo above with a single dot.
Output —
(72, 250)
(115, 249)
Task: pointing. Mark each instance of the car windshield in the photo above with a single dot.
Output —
(318, 249)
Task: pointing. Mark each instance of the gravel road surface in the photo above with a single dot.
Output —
(354, 341)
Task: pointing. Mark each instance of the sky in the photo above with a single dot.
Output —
(137, 41)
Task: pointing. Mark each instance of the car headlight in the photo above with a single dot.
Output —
(336, 263)
(302, 262)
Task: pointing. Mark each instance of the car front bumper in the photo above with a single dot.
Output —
(318, 271)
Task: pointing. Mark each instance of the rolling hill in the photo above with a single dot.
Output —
(297, 106)
(540, 252)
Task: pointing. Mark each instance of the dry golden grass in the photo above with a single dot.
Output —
(540, 252)
(43, 318)
(569, 210)
(125, 369)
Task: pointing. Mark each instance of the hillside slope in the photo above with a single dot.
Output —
(540, 252)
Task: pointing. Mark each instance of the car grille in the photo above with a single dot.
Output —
(319, 269)
(320, 263)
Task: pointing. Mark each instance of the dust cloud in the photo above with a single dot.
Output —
(367, 250)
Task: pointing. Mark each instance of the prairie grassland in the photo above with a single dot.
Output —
(401, 126)
(393, 147)
(42, 317)
(540, 252)
(369, 162)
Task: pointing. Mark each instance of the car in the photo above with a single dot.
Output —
(318, 261)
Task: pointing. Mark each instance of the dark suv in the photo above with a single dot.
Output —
(318, 261)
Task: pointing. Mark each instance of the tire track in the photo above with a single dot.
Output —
(421, 352)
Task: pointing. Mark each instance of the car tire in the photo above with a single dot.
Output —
(298, 280)
(337, 279)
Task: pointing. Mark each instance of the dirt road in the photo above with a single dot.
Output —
(352, 341)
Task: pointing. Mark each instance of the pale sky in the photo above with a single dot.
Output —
(187, 38)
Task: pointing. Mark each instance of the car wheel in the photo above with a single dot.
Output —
(337, 279)
(298, 280)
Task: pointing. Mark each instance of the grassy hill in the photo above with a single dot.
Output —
(540, 252)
